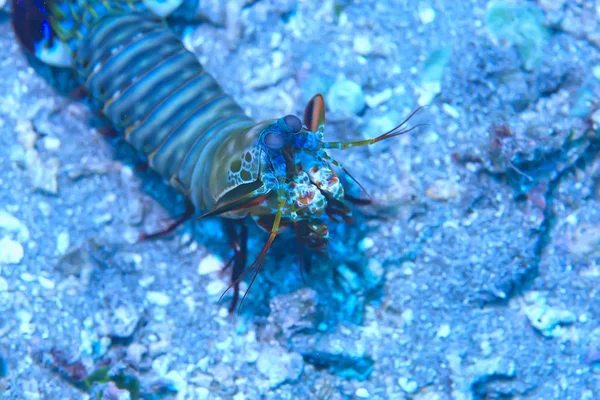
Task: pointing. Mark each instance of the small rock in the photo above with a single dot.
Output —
(158, 348)
(135, 210)
(201, 393)
(294, 312)
(27, 277)
(350, 279)
(129, 261)
(374, 273)
(11, 252)
(443, 331)
(209, 264)
(51, 143)
(239, 396)
(62, 243)
(91, 167)
(123, 320)
(408, 316)
(362, 45)
(377, 99)
(103, 218)
(112, 392)
(362, 393)
(345, 97)
(585, 240)
(46, 283)
(158, 298)
(546, 319)
(408, 385)
(279, 366)
(215, 288)
(442, 190)
(161, 364)
(135, 352)
(199, 378)
(178, 382)
(26, 134)
(10, 223)
(44, 175)
(426, 15)
(451, 111)
(366, 244)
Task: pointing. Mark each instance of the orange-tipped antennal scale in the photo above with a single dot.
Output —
(397, 131)
(257, 264)
(314, 113)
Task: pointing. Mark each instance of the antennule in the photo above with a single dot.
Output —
(397, 131)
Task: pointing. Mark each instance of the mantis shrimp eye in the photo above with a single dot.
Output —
(293, 123)
(274, 140)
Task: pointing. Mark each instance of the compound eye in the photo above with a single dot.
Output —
(293, 123)
(274, 140)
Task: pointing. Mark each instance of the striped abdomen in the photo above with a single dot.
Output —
(160, 98)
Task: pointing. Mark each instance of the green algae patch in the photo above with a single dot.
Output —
(520, 25)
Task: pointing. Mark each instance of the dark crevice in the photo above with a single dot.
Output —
(524, 281)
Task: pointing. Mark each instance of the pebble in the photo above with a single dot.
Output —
(26, 134)
(158, 298)
(451, 111)
(374, 272)
(51, 143)
(27, 277)
(62, 243)
(408, 385)
(201, 393)
(215, 288)
(443, 331)
(546, 319)
(209, 264)
(239, 396)
(362, 393)
(161, 364)
(11, 251)
(442, 190)
(135, 352)
(377, 99)
(10, 223)
(3, 285)
(44, 175)
(585, 240)
(123, 320)
(362, 45)
(279, 366)
(103, 218)
(366, 244)
(46, 283)
(426, 15)
(345, 97)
